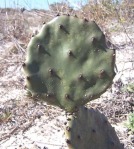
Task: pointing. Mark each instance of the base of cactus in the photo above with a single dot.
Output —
(90, 129)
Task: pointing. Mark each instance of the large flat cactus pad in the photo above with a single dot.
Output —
(68, 63)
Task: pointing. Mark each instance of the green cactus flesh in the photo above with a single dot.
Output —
(68, 63)
(89, 129)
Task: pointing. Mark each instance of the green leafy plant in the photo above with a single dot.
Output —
(5, 116)
(130, 122)
(128, 88)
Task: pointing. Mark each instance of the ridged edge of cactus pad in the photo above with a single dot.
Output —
(68, 63)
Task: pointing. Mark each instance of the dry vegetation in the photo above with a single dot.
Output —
(16, 29)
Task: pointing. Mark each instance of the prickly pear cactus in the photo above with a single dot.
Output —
(68, 63)
(89, 129)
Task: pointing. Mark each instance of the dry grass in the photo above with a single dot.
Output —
(18, 25)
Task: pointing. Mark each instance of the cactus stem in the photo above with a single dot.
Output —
(51, 71)
(85, 19)
(105, 121)
(42, 50)
(25, 87)
(70, 54)
(94, 41)
(28, 78)
(68, 128)
(75, 16)
(78, 137)
(57, 15)
(68, 119)
(49, 95)
(39, 47)
(85, 108)
(63, 28)
(112, 143)
(102, 73)
(93, 130)
(24, 65)
(76, 109)
(67, 96)
(90, 96)
(68, 141)
(65, 123)
(81, 77)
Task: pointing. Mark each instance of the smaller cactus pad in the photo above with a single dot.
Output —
(68, 63)
(90, 129)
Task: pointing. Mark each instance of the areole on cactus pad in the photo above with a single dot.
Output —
(68, 62)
